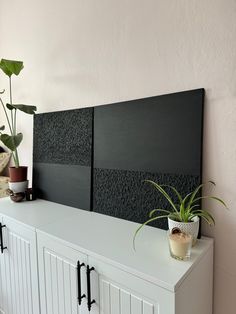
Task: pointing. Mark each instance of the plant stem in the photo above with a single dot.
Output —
(10, 91)
(8, 121)
(13, 155)
(16, 159)
(13, 121)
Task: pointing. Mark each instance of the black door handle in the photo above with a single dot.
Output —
(80, 297)
(89, 287)
(1, 238)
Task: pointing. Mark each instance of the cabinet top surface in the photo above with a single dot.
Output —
(109, 239)
(35, 214)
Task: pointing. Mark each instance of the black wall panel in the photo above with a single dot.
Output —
(124, 194)
(158, 134)
(63, 137)
(158, 138)
(97, 158)
(63, 184)
(63, 156)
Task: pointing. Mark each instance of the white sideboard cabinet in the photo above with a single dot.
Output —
(59, 260)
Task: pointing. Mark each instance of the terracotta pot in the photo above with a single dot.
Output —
(18, 174)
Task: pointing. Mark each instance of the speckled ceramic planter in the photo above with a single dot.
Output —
(187, 227)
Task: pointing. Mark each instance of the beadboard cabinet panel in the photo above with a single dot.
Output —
(2, 280)
(19, 277)
(59, 278)
(123, 293)
(114, 291)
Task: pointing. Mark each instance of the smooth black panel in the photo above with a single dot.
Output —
(65, 184)
(64, 137)
(159, 134)
(124, 194)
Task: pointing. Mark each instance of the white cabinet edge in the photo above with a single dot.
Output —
(132, 271)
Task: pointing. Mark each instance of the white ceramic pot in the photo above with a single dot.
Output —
(187, 227)
(18, 187)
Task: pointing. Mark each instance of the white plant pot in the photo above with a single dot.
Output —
(18, 187)
(187, 227)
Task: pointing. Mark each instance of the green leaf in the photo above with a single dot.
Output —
(212, 198)
(2, 128)
(25, 108)
(204, 214)
(163, 192)
(2, 92)
(174, 189)
(175, 216)
(195, 192)
(10, 67)
(159, 210)
(145, 223)
(11, 142)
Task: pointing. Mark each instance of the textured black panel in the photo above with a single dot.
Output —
(123, 193)
(64, 184)
(160, 134)
(63, 137)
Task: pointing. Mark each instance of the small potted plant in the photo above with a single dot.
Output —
(183, 215)
(13, 139)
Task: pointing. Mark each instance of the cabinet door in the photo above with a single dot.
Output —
(118, 292)
(59, 277)
(19, 277)
(2, 288)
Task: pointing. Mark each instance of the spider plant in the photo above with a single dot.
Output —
(185, 210)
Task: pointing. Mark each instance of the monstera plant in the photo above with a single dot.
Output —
(13, 139)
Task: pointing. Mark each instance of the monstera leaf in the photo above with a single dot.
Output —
(25, 108)
(10, 67)
(11, 142)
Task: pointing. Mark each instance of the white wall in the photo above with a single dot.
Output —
(86, 52)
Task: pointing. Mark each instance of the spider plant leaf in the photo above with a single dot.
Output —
(192, 207)
(205, 218)
(2, 92)
(181, 211)
(163, 192)
(145, 223)
(204, 214)
(175, 216)
(212, 182)
(189, 210)
(158, 210)
(186, 197)
(195, 192)
(174, 189)
(212, 198)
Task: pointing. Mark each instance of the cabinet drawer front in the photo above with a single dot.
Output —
(58, 280)
(123, 293)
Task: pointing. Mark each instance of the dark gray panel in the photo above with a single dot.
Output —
(64, 137)
(123, 193)
(159, 134)
(64, 184)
